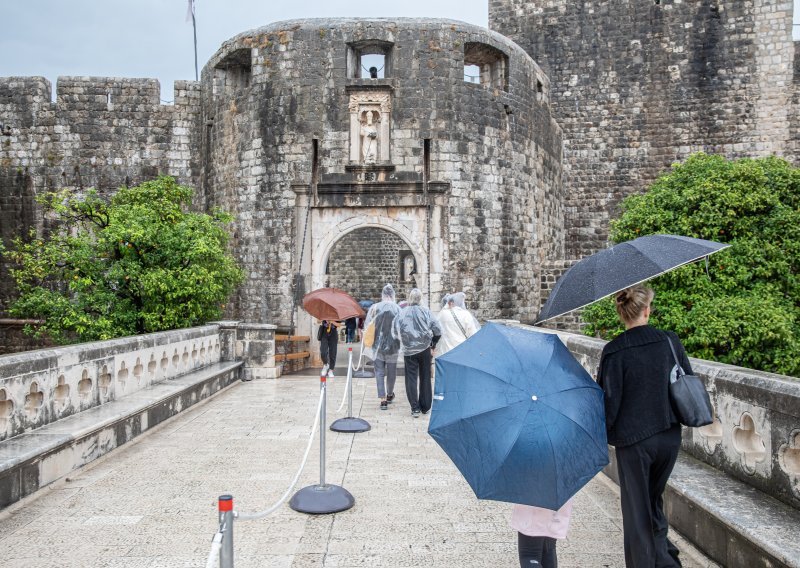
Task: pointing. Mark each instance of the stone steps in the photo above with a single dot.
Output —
(34, 459)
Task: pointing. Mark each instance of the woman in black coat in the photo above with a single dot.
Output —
(634, 374)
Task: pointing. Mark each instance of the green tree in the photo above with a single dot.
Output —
(135, 263)
(746, 310)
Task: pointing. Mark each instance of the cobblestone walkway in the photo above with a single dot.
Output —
(152, 503)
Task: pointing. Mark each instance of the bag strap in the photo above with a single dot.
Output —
(458, 323)
(675, 356)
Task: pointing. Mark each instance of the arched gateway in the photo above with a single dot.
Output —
(362, 261)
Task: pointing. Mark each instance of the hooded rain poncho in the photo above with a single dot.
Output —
(386, 346)
(415, 327)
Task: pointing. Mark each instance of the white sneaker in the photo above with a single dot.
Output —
(324, 370)
(331, 375)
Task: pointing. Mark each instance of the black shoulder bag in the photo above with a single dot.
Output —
(689, 397)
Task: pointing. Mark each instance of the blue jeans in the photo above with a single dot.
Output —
(536, 551)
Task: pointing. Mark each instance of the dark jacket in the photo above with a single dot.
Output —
(634, 374)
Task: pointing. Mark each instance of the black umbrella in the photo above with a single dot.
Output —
(620, 267)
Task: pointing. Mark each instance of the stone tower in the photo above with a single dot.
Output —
(639, 84)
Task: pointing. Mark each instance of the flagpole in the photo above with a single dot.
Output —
(194, 27)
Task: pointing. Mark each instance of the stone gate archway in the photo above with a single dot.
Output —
(364, 260)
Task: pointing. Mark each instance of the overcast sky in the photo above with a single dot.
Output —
(151, 38)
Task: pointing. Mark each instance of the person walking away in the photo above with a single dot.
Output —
(456, 322)
(418, 332)
(537, 531)
(350, 329)
(385, 346)
(328, 336)
(634, 373)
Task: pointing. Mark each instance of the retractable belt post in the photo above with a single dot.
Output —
(322, 498)
(226, 528)
(350, 424)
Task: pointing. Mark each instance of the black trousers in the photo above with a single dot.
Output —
(418, 366)
(327, 348)
(536, 551)
(644, 468)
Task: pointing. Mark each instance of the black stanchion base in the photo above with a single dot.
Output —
(350, 425)
(322, 499)
(363, 374)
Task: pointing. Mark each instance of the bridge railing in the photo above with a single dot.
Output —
(42, 386)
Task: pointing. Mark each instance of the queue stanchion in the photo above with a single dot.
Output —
(350, 424)
(322, 498)
(361, 371)
(225, 507)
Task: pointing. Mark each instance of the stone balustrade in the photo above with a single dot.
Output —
(755, 436)
(43, 386)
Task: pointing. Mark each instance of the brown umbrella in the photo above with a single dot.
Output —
(331, 304)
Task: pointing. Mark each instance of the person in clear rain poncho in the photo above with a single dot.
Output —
(418, 331)
(385, 347)
(456, 322)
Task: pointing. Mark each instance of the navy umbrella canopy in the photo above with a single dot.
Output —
(620, 267)
(519, 417)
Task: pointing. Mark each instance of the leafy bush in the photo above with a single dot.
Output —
(136, 263)
(746, 311)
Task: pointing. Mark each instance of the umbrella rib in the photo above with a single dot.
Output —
(510, 447)
(466, 367)
(487, 411)
(585, 431)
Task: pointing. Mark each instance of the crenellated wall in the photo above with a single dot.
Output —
(99, 132)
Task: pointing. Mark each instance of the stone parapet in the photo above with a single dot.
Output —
(755, 436)
(40, 387)
(255, 347)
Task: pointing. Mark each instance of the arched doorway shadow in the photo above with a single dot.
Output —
(361, 257)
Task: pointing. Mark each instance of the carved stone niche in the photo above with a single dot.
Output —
(370, 115)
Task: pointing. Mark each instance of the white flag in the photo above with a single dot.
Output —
(190, 11)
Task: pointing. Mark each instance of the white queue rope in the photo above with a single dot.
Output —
(213, 556)
(262, 514)
(346, 386)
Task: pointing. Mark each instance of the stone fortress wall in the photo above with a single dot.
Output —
(467, 175)
(639, 84)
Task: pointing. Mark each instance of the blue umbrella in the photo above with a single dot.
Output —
(519, 417)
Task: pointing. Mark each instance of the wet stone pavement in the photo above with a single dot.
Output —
(153, 503)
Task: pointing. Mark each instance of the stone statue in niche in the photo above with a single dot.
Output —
(370, 133)
(369, 137)
(409, 268)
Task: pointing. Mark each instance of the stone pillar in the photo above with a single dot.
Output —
(255, 347)
(227, 339)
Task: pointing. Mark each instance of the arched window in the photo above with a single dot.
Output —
(485, 65)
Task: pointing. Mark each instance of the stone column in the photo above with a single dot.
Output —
(255, 347)
(227, 339)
